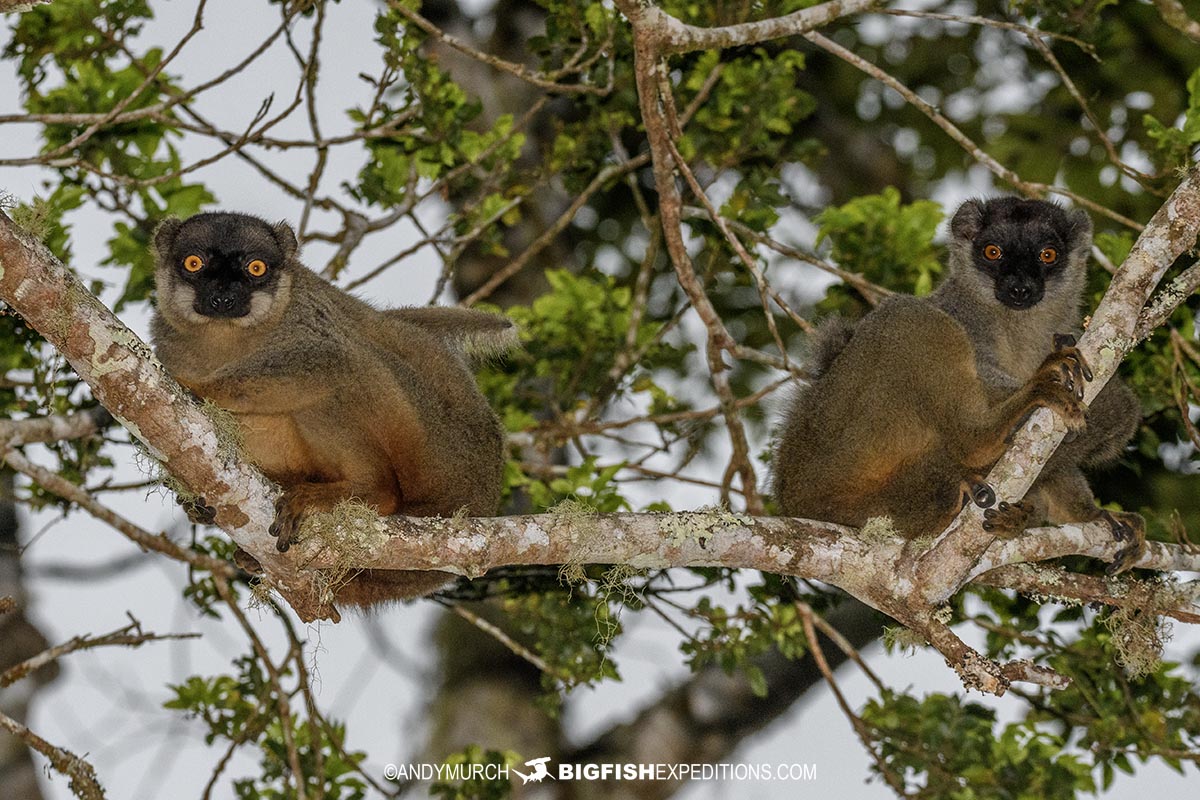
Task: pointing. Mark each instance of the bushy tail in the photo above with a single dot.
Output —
(827, 340)
(373, 587)
(478, 335)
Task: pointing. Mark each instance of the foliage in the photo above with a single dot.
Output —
(732, 638)
(950, 748)
(572, 631)
(883, 240)
(243, 708)
(1173, 145)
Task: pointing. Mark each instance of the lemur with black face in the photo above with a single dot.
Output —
(335, 399)
(909, 409)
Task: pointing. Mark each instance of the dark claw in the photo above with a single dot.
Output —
(281, 544)
(283, 526)
(1068, 377)
(198, 511)
(991, 514)
(1121, 531)
(1121, 561)
(1006, 519)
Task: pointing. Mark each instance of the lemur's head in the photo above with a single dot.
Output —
(1018, 249)
(223, 268)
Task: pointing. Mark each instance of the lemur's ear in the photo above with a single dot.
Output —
(164, 235)
(1079, 228)
(968, 220)
(286, 238)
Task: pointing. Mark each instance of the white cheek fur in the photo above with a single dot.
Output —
(265, 305)
(260, 309)
(183, 297)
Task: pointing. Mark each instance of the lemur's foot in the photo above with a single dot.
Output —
(976, 490)
(1007, 519)
(289, 512)
(247, 562)
(198, 512)
(1130, 528)
(1079, 371)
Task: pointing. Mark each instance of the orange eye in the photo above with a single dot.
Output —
(256, 268)
(1048, 255)
(193, 263)
(992, 252)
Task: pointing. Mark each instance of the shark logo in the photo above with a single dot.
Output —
(538, 772)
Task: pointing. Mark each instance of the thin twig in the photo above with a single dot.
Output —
(860, 727)
(1028, 188)
(518, 70)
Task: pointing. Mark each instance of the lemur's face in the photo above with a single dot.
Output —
(222, 267)
(1023, 246)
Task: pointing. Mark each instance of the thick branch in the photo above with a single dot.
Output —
(1169, 600)
(872, 566)
(861, 563)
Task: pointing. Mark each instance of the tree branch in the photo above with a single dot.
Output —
(657, 107)
(470, 546)
(81, 775)
(674, 36)
(56, 428)
(1119, 592)
(1175, 15)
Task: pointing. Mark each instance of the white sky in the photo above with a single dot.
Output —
(107, 704)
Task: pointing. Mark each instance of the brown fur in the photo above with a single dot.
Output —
(903, 445)
(917, 403)
(336, 399)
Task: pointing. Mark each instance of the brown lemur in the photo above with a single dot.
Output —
(909, 408)
(334, 398)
